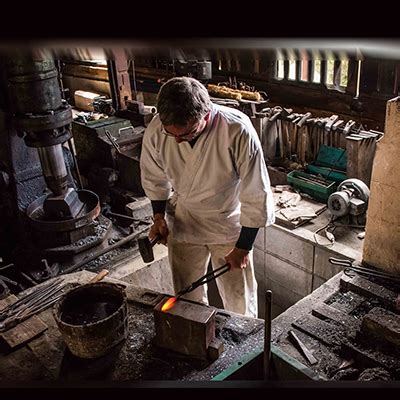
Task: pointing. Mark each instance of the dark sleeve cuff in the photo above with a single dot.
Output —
(246, 238)
(158, 206)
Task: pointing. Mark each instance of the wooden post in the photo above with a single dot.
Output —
(360, 158)
(382, 236)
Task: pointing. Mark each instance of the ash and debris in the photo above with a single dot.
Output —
(375, 359)
(112, 256)
(139, 359)
(106, 258)
(345, 301)
(349, 374)
(386, 283)
(375, 374)
(365, 307)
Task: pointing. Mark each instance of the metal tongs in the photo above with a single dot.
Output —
(350, 268)
(204, 279)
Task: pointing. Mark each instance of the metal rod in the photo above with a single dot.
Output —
(113, 214)
(267, 335)
(78, 174)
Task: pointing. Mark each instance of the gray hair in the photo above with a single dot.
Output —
(181, 100)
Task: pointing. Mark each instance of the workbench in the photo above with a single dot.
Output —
(329, 321)
(46, 357)
(294, 262)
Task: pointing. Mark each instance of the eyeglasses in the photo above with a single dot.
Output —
(194, 131)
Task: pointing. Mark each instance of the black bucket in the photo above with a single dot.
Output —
(93, 318)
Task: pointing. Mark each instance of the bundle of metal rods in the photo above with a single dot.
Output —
(31, 304)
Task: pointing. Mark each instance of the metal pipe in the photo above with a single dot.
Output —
(267, 335)
(54, 169)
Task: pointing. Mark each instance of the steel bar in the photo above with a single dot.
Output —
(302, 347)
(78, 174)
(26, 298)
(267, 335)
(23, 303)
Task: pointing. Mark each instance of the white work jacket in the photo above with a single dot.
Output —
(213, 188)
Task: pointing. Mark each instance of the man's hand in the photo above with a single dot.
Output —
(237, 258)
(159, 227)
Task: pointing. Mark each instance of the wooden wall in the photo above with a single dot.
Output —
(382, 235)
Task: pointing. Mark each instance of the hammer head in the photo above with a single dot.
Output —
(146, 249)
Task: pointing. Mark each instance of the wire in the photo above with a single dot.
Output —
(330, 222)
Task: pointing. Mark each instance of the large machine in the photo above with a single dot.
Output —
(48, 213)
(51, 222)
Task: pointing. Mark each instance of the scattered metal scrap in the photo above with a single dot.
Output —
(302, 347)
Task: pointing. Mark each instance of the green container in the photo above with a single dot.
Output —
(330, 163)
(319, 192)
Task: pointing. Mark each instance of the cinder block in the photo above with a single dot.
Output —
(259, 243)
(288, 276)
(281, 296)
(280, 243)
(322, 267)
(317, 282)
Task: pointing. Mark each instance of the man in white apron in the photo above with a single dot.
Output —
(202, 167)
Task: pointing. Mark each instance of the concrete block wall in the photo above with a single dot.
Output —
(292, 265)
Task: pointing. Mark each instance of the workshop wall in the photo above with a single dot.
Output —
(382, 235)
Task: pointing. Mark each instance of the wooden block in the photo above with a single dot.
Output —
(331, 335)
(325, 311)
(25, 330)
(7, 301)
(367, 288)
(84, 100)
(382, 324)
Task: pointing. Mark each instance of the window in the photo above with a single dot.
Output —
(329, 71)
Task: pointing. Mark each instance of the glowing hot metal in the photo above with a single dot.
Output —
(168, 304)
(204, 279)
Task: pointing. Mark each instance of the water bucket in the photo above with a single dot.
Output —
(92, 318)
